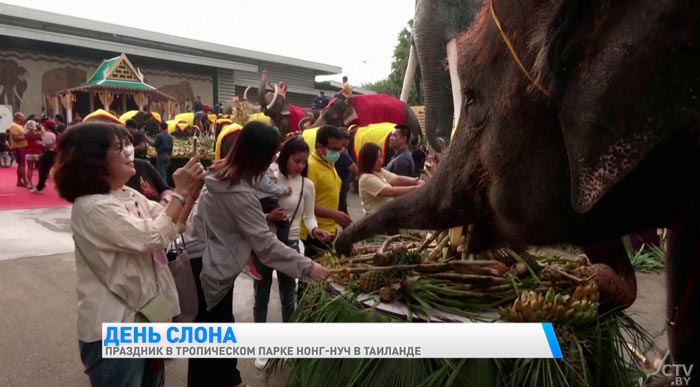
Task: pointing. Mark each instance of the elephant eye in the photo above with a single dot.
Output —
(468, 99)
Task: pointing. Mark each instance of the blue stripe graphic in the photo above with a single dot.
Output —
(552, 340)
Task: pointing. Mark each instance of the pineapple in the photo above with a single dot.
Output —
(371, 281)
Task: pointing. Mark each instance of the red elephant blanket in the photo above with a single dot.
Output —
(295, 115)
(375, 108)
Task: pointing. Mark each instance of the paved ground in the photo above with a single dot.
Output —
(38, 344)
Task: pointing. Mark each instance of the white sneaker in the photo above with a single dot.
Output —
(260, 363)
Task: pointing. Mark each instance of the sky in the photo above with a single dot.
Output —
(357, 35)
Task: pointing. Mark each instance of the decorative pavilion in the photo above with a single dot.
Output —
(119, 87)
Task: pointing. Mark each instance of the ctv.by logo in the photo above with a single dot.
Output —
(678, 374)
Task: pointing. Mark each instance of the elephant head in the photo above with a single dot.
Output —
(337, 113)
(274, 105)
(579, 125)
(435, 23)
(13, 83)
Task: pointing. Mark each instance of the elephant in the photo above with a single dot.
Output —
(436, 25)
(284, 115)
(182, 92)
(59, 79)
(579, 125)
(369, 109)
(13, 83)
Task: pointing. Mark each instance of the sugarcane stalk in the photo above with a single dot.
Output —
(361, 258)
(429, 240)
(388, 241)
(466, 277)
(467, 241)
(438, 248)
(388, 268)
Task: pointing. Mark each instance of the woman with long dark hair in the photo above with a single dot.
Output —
(300, 204)
(377, 185)
(119, 240)
(231, 222)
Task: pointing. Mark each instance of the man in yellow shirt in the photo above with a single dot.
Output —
(347, 89)
(321, 171)
(18, 146)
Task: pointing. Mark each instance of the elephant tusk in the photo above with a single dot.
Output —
(14, 90)
(245, 93)
(274, 99)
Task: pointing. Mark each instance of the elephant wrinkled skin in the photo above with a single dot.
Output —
(595, 136)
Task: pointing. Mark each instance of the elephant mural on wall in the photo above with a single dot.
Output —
(182, 92)
(584, 129)
(59, 79)
(436, 25)
(13, 83)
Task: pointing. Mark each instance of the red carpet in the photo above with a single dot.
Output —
(16, 198)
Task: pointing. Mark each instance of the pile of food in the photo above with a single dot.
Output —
(184, 147)
(434, 281)
(430, 279)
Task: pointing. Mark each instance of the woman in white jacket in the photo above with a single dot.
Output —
(118, 234)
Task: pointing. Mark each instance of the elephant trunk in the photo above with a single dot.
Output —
(438, 205)
(430, 45)
(261, 91)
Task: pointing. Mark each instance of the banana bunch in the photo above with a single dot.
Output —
(587, 291)
(552, 306)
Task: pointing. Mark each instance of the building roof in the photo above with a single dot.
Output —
(45, 26)
(119, 74)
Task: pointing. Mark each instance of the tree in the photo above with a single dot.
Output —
(394, 82)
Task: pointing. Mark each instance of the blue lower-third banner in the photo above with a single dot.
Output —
(337, 340)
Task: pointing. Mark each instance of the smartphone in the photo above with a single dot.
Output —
(194, 148)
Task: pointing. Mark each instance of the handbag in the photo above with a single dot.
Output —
(179, 265)
(280, 235)
(157, 309)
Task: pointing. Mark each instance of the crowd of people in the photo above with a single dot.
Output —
(270, 204)
(30, 143)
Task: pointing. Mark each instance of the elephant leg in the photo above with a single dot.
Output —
(683, 294)
(452, 60)
(614, 274)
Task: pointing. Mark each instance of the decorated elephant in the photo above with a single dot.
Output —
(369, 109)
(436, 25)
(13, 83)
(285, 117)
(579, 125)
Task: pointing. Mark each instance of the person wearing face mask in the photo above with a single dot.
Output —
(147, 181)
(321, 171)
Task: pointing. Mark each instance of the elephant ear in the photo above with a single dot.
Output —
(626, 79)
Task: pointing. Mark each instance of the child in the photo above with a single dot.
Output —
(268, 191)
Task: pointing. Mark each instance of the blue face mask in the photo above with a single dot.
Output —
(332, 156)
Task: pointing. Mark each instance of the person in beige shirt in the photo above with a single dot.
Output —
(120, 238)
(377, 185)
